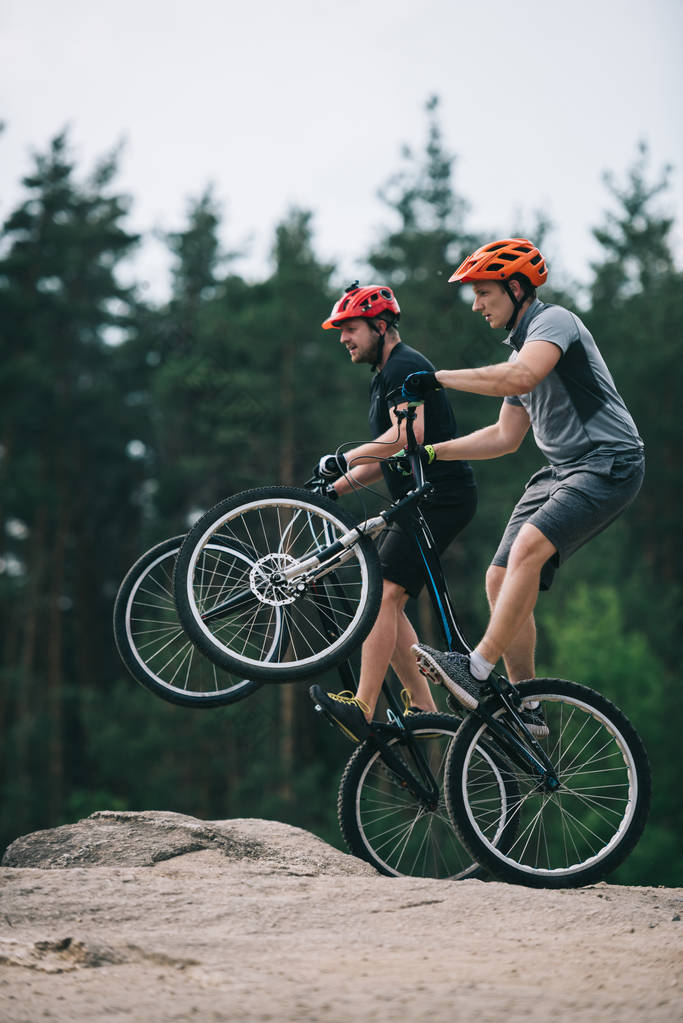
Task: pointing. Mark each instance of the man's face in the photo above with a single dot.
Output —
(493, 302)
(360, 341)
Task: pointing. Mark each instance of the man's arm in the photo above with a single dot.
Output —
(536, 359)
(500, 438)
(362, 461)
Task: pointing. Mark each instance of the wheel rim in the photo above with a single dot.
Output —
(403, 837)
(275, 620)
(157, 642)
(562, 833)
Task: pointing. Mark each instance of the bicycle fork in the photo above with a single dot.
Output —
(424, 788)
(527, 753)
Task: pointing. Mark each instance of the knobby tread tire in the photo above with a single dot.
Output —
(493, 859)
(360, 843)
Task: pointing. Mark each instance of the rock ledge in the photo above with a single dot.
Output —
(127, 839)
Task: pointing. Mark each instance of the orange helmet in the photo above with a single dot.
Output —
(368, 302)
(499, 260)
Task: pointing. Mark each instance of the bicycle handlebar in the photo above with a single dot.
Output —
(407, 415)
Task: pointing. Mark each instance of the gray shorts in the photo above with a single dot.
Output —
(570, 504)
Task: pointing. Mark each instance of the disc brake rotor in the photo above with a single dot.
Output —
(269, 585)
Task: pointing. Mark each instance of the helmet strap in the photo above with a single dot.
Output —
(379, 347)
(517, 304)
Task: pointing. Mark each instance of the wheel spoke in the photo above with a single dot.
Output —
(393, 829)
(152, 642)
(255, 611)
(563, 835)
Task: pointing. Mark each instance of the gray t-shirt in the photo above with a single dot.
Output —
(576, 409)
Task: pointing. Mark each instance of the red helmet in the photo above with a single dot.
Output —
(497, 261)
(367, 302)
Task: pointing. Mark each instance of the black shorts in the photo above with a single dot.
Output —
(398, 555)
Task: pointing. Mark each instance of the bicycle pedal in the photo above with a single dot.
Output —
(323, 710)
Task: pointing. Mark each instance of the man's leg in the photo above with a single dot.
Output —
(392, 635)
(378, 649)
(519, 655)
(388, 643)
(404, 664)
(509, 629)
(513, 609)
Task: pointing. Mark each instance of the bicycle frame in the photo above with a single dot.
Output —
(406, 512)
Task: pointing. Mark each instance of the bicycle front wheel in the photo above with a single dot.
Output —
(266, 619)
(386, 825)
(151, 641)
(583, 830)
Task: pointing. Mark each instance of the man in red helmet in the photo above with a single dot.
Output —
(556, 382)
(367, 320)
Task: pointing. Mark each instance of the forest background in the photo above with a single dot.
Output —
(122, 419)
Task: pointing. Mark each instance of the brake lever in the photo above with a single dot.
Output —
(315, 483)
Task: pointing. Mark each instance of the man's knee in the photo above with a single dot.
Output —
(495, 574)
(530, 548)
(393, 593)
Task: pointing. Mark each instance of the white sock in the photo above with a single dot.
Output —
(479, 666)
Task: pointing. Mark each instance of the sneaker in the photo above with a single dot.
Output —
(345, 710)
(450, 670)
(534, 719)
(410, 711)
(408, 708)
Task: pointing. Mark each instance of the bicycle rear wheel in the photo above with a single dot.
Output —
(266, 619)
(577, 834)
(151, 641)
(384, 823)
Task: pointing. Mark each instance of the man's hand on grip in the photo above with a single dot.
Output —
(417, 386)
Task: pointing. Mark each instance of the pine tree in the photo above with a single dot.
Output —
(61, 305)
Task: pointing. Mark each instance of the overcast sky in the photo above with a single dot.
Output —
(309, 103)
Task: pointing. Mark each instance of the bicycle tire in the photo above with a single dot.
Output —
(583, 831)
(153, 645)
(281, 526)
(383, 823)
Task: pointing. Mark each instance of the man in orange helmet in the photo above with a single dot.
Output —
(367, 320)
(556, 382)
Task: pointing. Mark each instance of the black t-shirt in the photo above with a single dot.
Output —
(449, 478)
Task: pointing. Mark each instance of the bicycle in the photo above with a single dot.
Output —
(380, 819)
(559, 812)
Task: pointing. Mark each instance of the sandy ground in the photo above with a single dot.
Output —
(293, 930)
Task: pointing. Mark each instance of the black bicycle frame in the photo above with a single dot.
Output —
(407, 514)
(412, 521)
